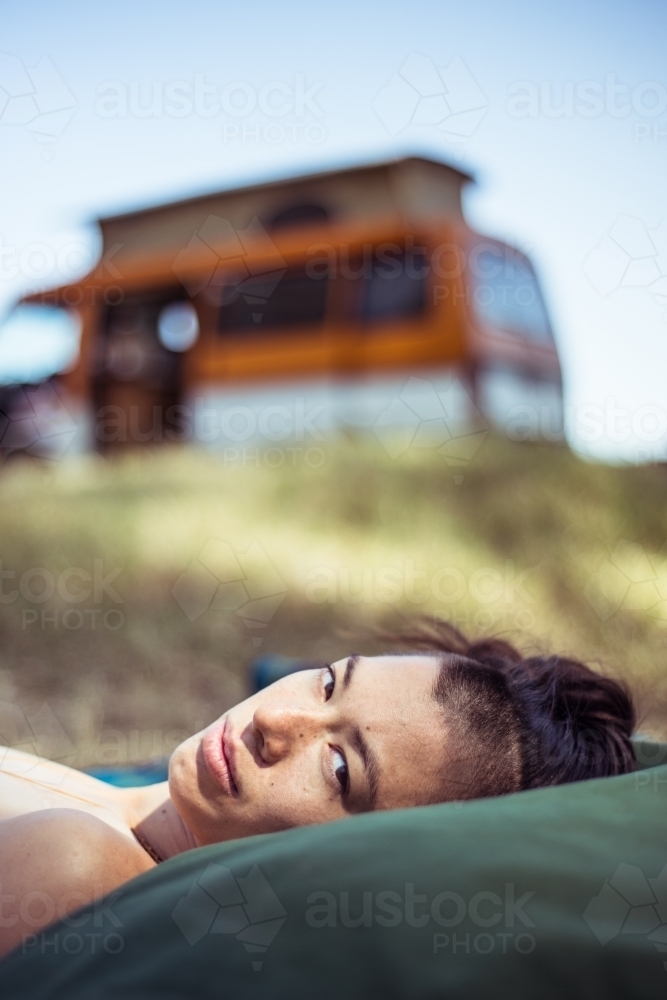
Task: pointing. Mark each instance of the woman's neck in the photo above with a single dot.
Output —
(151, 813)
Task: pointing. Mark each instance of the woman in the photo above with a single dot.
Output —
(450, 720)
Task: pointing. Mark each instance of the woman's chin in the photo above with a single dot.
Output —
(193, 792)
(183, 779)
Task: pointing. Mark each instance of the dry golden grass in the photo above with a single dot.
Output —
(533, 544)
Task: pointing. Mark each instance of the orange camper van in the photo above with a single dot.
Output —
(353, 298)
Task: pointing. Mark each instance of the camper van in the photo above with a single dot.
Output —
(357, 298)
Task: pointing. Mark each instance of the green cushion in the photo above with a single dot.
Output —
(559, 892)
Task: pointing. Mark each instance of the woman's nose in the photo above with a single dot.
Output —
(280, 729)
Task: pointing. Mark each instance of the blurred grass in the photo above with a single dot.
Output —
(533, 544)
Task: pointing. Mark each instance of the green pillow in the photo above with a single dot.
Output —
(558, 892)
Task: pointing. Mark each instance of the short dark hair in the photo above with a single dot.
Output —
(522, 722)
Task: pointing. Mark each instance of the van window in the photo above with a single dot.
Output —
(273, 300)
(506, 293)
(298, 214)
(394, 286)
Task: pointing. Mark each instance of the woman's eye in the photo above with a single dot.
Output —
(329, 682)
(340, 770)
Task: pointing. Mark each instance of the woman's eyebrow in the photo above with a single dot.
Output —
(349, 669)
(369, 762)
(368, 759)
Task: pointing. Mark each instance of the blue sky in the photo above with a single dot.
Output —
(575, 174)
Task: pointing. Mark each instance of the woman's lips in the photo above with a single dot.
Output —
(218, 750)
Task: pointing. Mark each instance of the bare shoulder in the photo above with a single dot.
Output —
(63, 857)
(29, 783)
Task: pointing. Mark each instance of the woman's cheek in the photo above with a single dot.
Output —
(289, 799)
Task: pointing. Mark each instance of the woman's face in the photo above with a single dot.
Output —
(365, 733)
